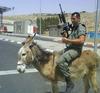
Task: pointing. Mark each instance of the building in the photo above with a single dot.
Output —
(2, 10)
(25, 27)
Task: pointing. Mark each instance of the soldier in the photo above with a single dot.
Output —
(74, 43)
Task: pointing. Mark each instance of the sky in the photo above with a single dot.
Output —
(20, 7)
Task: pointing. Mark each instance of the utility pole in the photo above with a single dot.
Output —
(40, 18)
(1, 18)
(96, 25)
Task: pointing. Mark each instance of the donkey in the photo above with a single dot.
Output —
(84, 67)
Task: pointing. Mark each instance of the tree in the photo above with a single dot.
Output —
(47, 22)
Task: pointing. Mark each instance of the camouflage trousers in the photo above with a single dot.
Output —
(65, 60)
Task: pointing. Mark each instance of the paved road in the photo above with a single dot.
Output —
(30, 82)
(20, 83)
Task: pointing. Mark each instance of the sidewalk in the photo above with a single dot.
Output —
(46, 42)
(44, 38)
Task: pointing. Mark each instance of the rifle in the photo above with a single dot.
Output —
(66, 26)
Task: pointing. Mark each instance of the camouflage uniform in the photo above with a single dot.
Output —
(71, 51)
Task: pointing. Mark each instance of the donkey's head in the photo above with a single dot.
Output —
(25, 55)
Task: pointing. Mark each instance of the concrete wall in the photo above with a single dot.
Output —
(54, 31)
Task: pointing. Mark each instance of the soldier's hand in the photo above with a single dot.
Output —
(64, 40)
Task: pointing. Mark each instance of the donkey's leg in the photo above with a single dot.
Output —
(54, 87)
(86, 83)
(93, 80)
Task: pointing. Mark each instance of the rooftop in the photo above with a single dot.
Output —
(4, 9)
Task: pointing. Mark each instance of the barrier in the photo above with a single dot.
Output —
(92, 35)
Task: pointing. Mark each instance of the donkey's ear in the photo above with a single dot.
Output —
(34, 35)
(23, 43)
(30, 37)
(31, 46)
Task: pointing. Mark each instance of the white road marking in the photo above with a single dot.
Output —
(11, 72)
(19, 42)
(12, 41)
(6, 39)
(1, 38)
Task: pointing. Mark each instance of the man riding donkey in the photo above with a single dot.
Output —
(74, 43)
